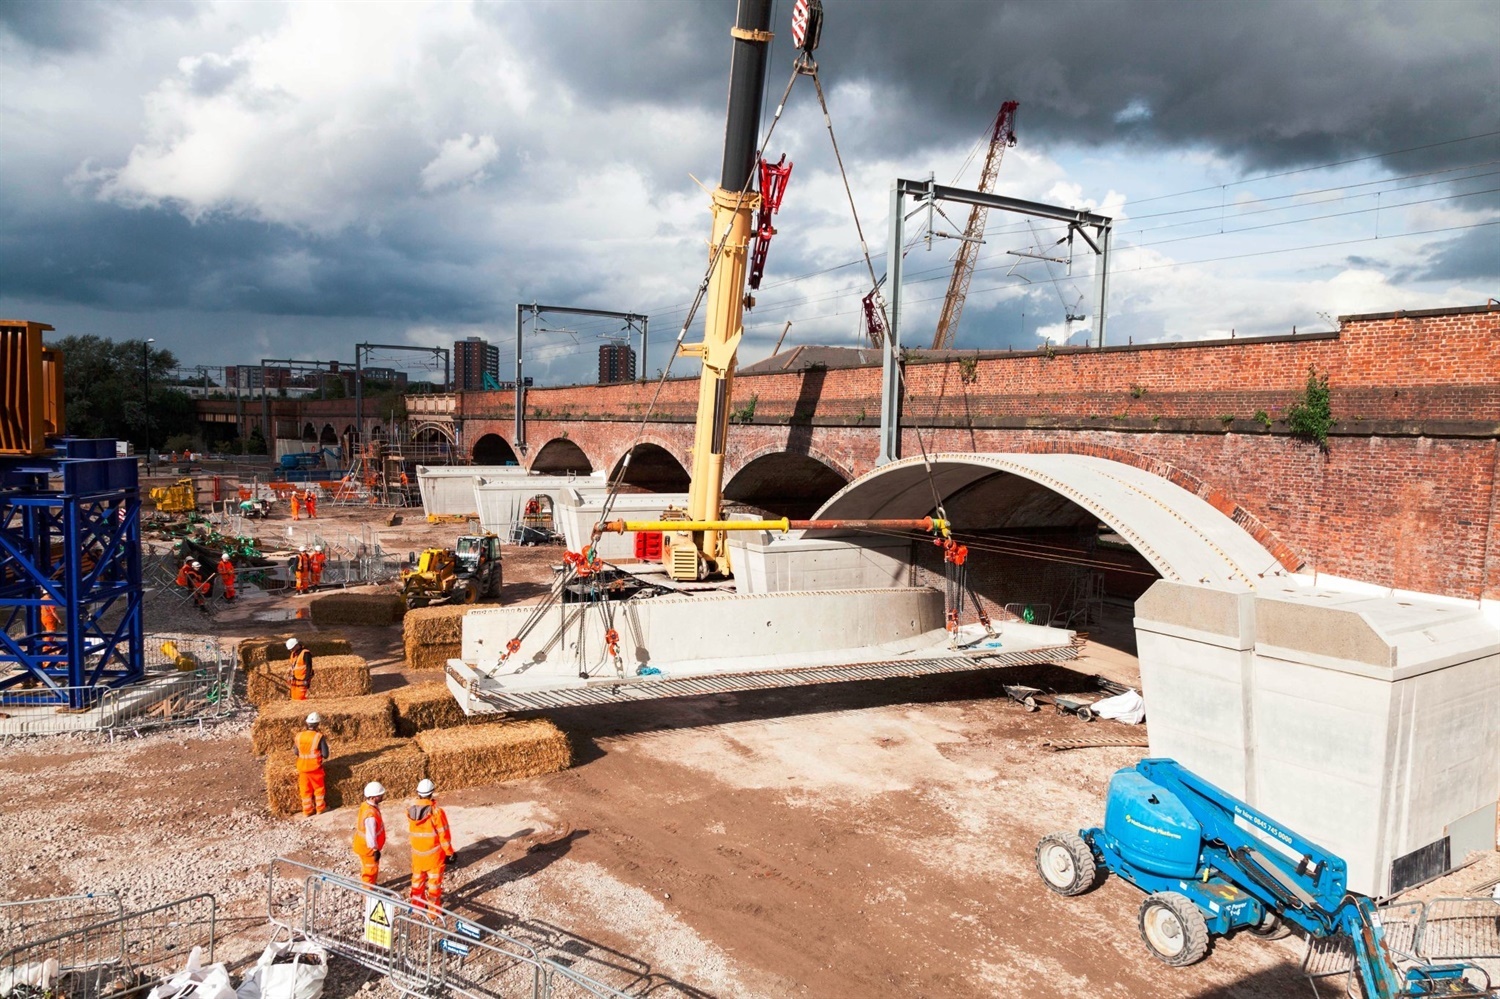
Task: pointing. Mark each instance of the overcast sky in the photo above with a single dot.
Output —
(248, 180)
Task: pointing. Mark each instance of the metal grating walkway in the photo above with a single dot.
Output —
(650, 688)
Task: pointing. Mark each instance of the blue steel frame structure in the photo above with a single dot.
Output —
(78, 546)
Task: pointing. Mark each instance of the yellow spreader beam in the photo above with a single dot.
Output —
(933, 524)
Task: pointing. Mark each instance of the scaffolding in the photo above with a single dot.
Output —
(375, 477)
(70, 545)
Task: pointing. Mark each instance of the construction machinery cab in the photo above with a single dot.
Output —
(464, 575)
(479, 562)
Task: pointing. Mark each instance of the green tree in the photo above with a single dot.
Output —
(104, 386)
(1311, 417)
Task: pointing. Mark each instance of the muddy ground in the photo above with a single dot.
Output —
(868, 839)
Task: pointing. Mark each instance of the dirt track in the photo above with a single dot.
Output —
(866, 839)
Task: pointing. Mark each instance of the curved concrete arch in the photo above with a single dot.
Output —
(653, 467)
(1183, 536)
(561, 456)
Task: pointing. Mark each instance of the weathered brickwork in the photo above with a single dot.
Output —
(1405, 495)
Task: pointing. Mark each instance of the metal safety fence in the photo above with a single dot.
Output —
(1463, 931)
(190, 680)
(121, 956)
(448, 955)
(36, 918)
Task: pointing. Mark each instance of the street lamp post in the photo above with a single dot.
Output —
(146, 391)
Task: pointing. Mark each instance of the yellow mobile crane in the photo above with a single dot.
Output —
(694, 543)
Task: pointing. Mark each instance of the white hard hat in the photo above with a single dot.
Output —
(302, 548)
(291, 643)
(425, 787)
(196, 564)
(374, 789)
(314, 718)
(317, 548)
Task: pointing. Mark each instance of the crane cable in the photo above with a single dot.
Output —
(806, 64)
(587, 560)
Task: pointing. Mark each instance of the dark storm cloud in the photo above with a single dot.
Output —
(1268, 84)
(1470, 255)
(145, 259)
(78, 25)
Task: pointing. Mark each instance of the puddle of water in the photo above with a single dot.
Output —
(284, 614)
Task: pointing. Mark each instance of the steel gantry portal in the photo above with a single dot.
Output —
(1078, 221)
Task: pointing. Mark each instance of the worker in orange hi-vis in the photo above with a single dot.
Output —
(52, 628)
(369, 833)
(431, 850)
(191, 576)
(303, 570)
(312, 753)
(296, 505)
(316, 563)
(310, 499)
(299, 677)
(225, 570)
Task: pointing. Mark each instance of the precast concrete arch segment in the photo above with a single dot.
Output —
(1183, 537)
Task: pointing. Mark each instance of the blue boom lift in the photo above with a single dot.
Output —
(1210, 865)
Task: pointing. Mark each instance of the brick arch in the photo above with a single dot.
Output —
(557, 457)
(1213, 496)
(842, 467)
(660, 442)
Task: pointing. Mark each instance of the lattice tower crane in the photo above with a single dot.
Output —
(1001, 136)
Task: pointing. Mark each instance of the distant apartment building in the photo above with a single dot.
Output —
(473, 358)
(616, 363)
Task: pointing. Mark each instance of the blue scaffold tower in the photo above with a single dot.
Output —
(70, 537)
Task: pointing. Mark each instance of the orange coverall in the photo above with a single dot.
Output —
(296, 506)
(369, 840)
(312, 750)
(299, 678)
(226, 576)
(53, 626)
(304, 572)
(318, 560)
(310, 499)
(431, 848)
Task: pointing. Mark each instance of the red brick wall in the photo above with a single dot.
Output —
(1404, 497)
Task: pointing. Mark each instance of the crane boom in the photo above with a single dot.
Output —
(1001, 136)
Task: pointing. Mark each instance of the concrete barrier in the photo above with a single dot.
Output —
(1370, 725)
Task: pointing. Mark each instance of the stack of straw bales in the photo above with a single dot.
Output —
(347, 719)
(333, 677)
(487, 754)
(255, 651)
(396, 763)
(433, 635)
(424, 706)
(358, 608)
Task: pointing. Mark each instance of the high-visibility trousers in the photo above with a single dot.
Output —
(301, 581)
(369, 867)
(312, 509)
(427, 890)
(299, 692)
(310, 784)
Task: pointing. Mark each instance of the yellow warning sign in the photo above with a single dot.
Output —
(378, 922)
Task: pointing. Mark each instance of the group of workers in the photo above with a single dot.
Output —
(307, 567)
(427, 828)
(308, 501)
(201, 585)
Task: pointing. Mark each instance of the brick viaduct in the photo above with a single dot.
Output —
(1404, 495)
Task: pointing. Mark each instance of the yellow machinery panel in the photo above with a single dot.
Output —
(31, 389)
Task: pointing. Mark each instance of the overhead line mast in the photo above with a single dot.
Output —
(1001, 136)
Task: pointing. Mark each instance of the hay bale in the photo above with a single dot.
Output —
(472, 755)
(423, 706)
(443, 624)
(254, 651)
(349, 719)
(377, 609)
(396, 763)
(333, 676)
(430, 657)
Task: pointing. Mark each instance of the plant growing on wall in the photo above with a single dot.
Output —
(745, 413)
(968, 369)
(1311, 417)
